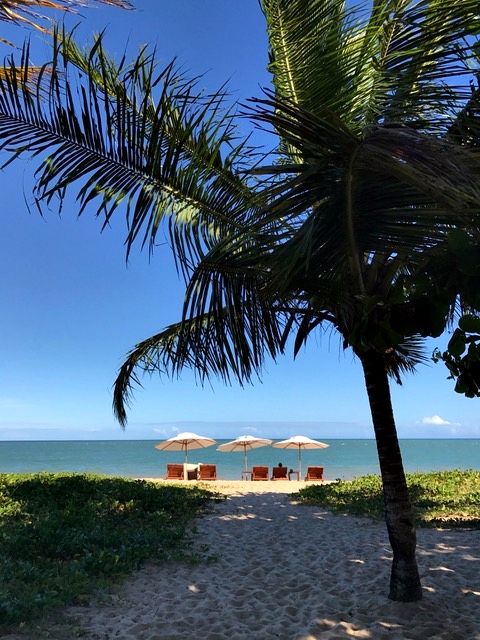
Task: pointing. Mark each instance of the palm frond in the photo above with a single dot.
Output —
(409, 189)
(300, 33)
(403, 61)
(230, 343)
(159, 147)
(465, 129)
(405, 358)
(21, 11)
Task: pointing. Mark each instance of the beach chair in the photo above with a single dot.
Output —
(279, 473)
(174, 472)
(207, 472)
(314, 473)
(259, 473)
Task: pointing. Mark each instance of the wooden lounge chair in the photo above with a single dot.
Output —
(259, 473)
(279, 473)
(314, 473)
(207, 471)
(174, 472)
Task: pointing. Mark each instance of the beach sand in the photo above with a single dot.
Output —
(289, 572)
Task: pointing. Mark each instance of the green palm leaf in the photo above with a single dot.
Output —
(403, 61)
(228, 342)
(158, 155)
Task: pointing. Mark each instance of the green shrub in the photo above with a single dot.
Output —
(65, 535)
(439, 498)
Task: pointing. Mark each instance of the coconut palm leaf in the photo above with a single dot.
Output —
(17, 12)
(465, 129)
(231, 343)
(403, 61)
(169, 154)
(408, 190)
(20, 11)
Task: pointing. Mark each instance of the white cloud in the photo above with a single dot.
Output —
(435, 420)
(162, 432)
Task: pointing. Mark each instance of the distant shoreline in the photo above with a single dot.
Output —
(221, 438)
(344, 459)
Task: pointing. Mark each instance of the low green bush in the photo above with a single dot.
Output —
(64, 535)
(439, 498)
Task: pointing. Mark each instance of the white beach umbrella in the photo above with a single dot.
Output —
(300, 442)
(183, 442)
(244, 443)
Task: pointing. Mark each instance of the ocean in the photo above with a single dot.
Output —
(344, 459)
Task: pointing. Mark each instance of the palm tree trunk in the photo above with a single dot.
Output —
(404, 580)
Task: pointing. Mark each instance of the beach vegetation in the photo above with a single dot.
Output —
(442, 499)
(462, 355)
(343, 224)
(65, 536)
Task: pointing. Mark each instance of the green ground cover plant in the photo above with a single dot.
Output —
(64, 536)
(439, 498)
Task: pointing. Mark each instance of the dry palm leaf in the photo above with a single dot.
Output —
(21, 12)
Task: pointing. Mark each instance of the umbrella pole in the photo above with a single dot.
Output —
(185, 472)
(245, 458)
(300, 461)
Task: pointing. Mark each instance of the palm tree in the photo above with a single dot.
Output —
(335, 228)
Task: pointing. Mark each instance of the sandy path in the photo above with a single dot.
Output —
(289, 572)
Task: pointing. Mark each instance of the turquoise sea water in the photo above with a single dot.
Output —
(344, 459)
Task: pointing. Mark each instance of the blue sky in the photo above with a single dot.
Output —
(72, 308)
